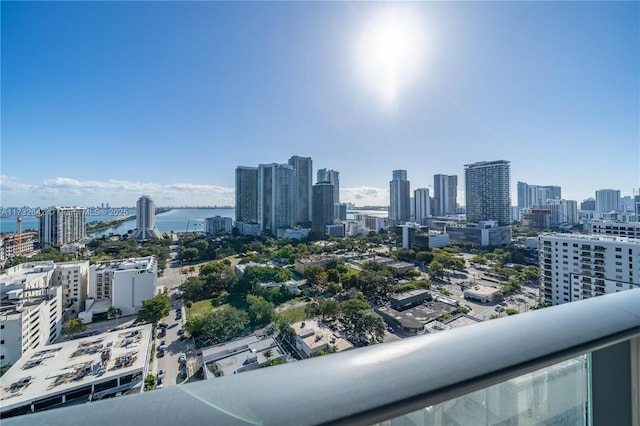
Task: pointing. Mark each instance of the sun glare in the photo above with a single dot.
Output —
(389, 52)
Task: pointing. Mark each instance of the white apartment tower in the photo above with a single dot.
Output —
(276, 197)
(146, 219)
(422, 204)
(445, 194)
(303, 181)
(575, 267)
(62, 225)
(400, 197)
(487, 191)
(607, 200)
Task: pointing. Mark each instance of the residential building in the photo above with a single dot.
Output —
(245, 354)
(337, 230)
(247, 194)
(61, 225)
(575, 267)
(217, 224)
(374, 223)
(487, 191)
(121, 284)
(323, 206)
(277, 189)
(536, 218)
(246, 228)
(11, 246)
(486, 233)
(332, 177)
(73, 278)
(588, 205)
(607, 200)
(303, 181)
(445, 194)
(340, 210)
(146, 220)
(562, 211)
(621, 229)
(536, 195)
(31, 313)
(77, 371)
(400, 203)
(422, 209)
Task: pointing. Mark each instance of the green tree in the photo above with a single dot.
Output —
(268, 353)
(72, 326)
(193, 289)
(224, 323)
(260, 310)
(511, 311)
(436, 269)
(190, 254)
(149, 382)
(321, 307)
(285, 329)
(154, 309)
(272, 362)
(334, 288)
(315, 274)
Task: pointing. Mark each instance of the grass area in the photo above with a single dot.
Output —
(351, 271)
(294, 315)
(198, 308)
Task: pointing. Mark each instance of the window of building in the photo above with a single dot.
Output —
(618, 249)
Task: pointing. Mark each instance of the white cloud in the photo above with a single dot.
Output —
(365, 196)
(68, 191)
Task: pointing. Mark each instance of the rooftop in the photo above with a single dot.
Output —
(418, 316)
(61, 367)
(593, 237)
(124, 264)
(242, 354)
(316, 334)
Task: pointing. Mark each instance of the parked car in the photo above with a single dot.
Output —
(181, 332)
(162, 343)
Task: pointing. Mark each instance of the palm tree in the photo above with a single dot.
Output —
(334, 348)
(268, 354)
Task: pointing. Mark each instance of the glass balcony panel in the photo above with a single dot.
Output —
(556, 395)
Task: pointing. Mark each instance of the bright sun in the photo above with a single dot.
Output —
(389, 52)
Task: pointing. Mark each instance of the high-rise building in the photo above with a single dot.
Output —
(303, 167)
(575, 267)
(487, 191)
(146, 219)
(400, 203)
(588, 205)
(445, 194)
(607, 200)
(536, 195)
(323, 206)
(62, 225)
(333, 177)
(562, 211)
(422, 204)
(247, 194)
(217, 224)
(277, 186)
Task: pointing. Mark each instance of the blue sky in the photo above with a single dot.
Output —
(102, 102)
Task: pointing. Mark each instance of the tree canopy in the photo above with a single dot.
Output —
(154, 309)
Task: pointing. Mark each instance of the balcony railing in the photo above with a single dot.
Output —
(381, 382)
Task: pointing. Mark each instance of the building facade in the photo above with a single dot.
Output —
(607, 200)
(303, 181)
(61, 225)
(276, 194)
(73, 278)
(400, 195)
(422, 209)
(536, 195)
(575, 267)
(445, 194)
(11, 246)
(146, 219)
(217, 224)
(332, 177)
(620, 229)
(323, 207)
(247, 194)
(487, 191)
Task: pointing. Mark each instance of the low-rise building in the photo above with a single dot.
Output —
(483, 294)
(248, 353)
(86, 369)
(313, 336)
(217, 224)
(409, 299)
(123, 284)
(337, 230)
(248, 228)
(483, 234)
(413, 319)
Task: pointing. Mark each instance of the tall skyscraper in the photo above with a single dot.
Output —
(145, 219)
(422, 204)
(607, 200)
(333, 177)
(303, 167)
(62, 225)
(400, 203)
(445, 194)
(277, 186)
(589, 204)
(487, 191)
(536, 195)
(323, 206)
(247, 194)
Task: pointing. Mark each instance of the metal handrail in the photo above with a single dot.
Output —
(375, 383)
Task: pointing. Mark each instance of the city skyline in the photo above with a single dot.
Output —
(545, 86)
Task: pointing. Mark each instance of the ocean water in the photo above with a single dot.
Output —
(94, 214)
(175, 220)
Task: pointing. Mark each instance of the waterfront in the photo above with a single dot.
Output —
(174, 220)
